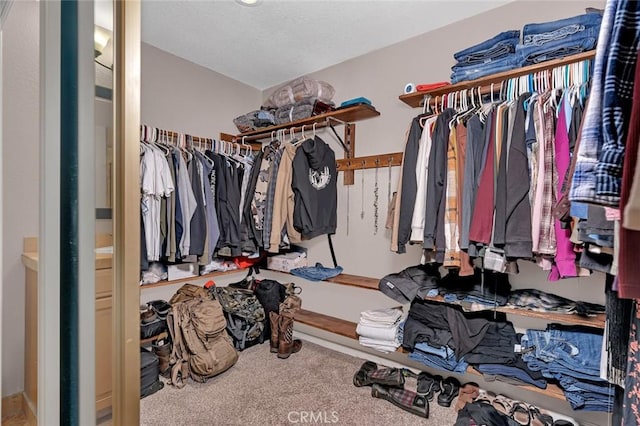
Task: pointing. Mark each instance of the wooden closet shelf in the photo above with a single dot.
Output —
(185, 280)
(347, 115)
(327, 323)
(597, 321)
(348, 329)
(415, 99)
(368, 283)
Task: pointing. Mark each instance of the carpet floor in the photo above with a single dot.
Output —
(312, 386)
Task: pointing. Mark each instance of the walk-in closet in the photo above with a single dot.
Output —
(266, 212)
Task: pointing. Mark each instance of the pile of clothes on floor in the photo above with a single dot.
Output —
(540, 42)
(378, 329)
(413, 392)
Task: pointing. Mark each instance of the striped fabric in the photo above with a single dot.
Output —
(452, 249)
(583, 185)
(616, 102)
(403, 397)
(547, 242)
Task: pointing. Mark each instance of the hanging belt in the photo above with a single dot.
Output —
(333, 253)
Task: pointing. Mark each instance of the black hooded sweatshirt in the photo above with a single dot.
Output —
(314, 188)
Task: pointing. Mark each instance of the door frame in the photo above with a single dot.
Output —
(126, 214)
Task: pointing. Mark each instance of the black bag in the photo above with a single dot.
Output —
(149, 373)
(158, 325)
(270, 294)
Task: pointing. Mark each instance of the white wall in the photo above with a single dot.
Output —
(182, 96)
(20, 177)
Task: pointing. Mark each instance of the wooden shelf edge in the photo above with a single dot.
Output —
(327, 323)
(414, 99)
(348, 329)
(185, 280)
(348, 114)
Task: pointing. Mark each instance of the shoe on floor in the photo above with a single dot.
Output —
(428, 385)
(450, 389)
(403, 398)
(369, 374)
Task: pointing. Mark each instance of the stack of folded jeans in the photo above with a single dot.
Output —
(489, 57)
(440, 357)
(570, 355)
(378, 329)
(517, 374)
(540, 42)
(557, 39)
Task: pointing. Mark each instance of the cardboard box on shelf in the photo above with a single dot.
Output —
(288, 261)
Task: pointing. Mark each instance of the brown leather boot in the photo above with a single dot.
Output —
(286, 344)
(274, 319)
(162, 348)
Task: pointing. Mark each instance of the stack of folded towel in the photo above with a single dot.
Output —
(378, 329)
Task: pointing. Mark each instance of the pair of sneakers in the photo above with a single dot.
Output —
(429, 385)
(388, 383)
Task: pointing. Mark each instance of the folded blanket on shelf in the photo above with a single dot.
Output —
(380, 345)
(389, 334)
(380, 316)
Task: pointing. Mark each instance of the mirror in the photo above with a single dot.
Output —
(103, 47)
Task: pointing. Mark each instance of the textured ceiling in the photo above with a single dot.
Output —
(277, 41)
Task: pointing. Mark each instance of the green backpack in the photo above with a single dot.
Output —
(244, 314)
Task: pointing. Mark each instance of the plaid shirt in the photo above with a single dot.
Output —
(271, 195)
(540, 301)
(583, 185)
(547, 241)
(452, 249)
(617, 98)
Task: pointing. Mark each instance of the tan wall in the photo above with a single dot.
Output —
(182, 96)
(20, 176)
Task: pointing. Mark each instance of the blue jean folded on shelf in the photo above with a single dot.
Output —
(473, 72)
(569, 350)
(511, 37)
(534, 54)
(435, 361)
(509, 371)
(572, 356)
(316, 273)
(585, 25)
(497, 51)
(599, 386)
(588, 401)
(444, 352)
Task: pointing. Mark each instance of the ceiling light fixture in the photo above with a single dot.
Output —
(249, 3)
